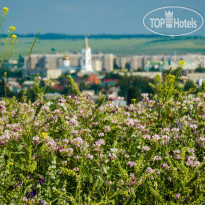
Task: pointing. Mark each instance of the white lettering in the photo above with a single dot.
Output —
(194, 23)
(152, 21)
(176, 23)
(157, 23)
(181, 24)
(189, 24)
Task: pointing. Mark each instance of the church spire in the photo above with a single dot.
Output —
(86, 43)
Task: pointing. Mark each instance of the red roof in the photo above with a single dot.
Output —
(94, 79)
(58, 87)
(110, 80)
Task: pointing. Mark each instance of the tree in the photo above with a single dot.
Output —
(189, 84)
(127, 65)
(200, 70)
(115, 66)
(133, 93)
(53, 50)
(20, 61)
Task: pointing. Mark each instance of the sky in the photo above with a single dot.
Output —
(87, 16)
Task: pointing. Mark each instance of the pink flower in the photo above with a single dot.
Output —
(100, 142)
(157, 158)
(131, 163)
(36, 139)
(145, 148)
(51, 143)
(144, 95)
(76, 169)
(149, 170)
(175, 129)
(189, 163)
(78, 141)
(191, 158)
(202, 141)
(140, 127)
(196, 99)
(165, 139)
(146, 137)
(167, 130)
(165, 166)
(112, 156)
(62, 149)
(106, 128)
(73, 121)
(193, 126)
(101, 134)
(177, 196)
(169, 178)
(62, 100)
(196, 163)
(113, 149)
(65, 141)
(89, 156)
(178, 156)
(77, 157)
(70, 152)
(191, 150)
(129, 122)
(156, 138)
(176, 152)
(127, 156)
(46, 108)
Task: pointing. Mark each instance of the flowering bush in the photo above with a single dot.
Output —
(77, 151)
(9, 42)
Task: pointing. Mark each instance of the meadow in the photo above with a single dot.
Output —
(76, 151)
(122, 46)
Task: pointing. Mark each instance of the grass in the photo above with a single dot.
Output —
(118, 47)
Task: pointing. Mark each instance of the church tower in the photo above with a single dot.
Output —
(86, 64)
(66, 60)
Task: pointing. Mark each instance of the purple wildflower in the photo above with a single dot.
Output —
(145, 148)
(177, 196)
(32, 193)
(157, 158)
(42, 181)
(131, 164)
(130, 122)
(42, 202)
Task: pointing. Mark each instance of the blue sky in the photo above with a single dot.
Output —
(88, 16)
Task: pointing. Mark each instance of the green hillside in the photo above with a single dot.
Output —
(116, 46)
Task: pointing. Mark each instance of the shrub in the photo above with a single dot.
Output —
(77, 151)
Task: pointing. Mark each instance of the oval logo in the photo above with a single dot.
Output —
(173, 21)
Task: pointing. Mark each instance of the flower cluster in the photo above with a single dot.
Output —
(72, 151)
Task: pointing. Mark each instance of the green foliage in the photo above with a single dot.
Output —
(74, 150)
(200, 70)
(133, 86)
(74, 86)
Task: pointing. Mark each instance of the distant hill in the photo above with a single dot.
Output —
(122, 45)
(56, 36)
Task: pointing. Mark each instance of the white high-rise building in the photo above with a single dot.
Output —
(86, 64)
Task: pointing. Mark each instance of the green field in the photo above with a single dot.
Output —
(118, 46)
